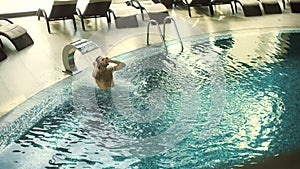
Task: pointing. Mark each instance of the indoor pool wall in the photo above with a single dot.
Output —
(12, 131)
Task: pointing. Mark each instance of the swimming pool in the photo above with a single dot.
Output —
(228, 100)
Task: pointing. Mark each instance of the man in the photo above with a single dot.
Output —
(103, 71)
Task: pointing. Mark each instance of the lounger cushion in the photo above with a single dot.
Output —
(12, 31)
(271, 6)
(269, 1)
(295, 6)
(251, 7)
(122, 10)
(155, 8)
(125, 16)
(147, 3)
(249, 2)
(124, 13)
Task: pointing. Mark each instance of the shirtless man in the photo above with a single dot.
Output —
(103, 72)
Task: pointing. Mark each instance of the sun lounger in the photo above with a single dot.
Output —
(94, 9)
(124, 15)
(250, 7)
(295, 6)
(198, 3)
(155, 11)
(60, 10)
(271, 6)
(15, 33)
(223, 2)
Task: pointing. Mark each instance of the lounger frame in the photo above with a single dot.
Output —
(12, 33)
(59, 12)
(95, 9)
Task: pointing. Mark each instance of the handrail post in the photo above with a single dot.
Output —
(163, 34)
(174, 23)
(160, 33)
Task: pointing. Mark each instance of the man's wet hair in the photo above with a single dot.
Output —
(98, 64)
(98, 58)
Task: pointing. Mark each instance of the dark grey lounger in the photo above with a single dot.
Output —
(16, 34)
(250, 7)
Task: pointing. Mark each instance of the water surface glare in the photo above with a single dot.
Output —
(223, 103)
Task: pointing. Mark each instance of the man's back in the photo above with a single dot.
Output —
(103, 72)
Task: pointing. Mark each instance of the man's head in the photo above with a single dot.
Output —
(102, 62)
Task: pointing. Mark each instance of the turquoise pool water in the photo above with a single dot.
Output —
(227, 101)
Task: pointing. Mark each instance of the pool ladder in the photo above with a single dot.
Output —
(163, 34)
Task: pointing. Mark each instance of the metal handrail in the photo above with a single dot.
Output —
(160, 33)
(163, 34)
(174, 23)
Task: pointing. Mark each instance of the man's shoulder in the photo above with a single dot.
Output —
(111, 67)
